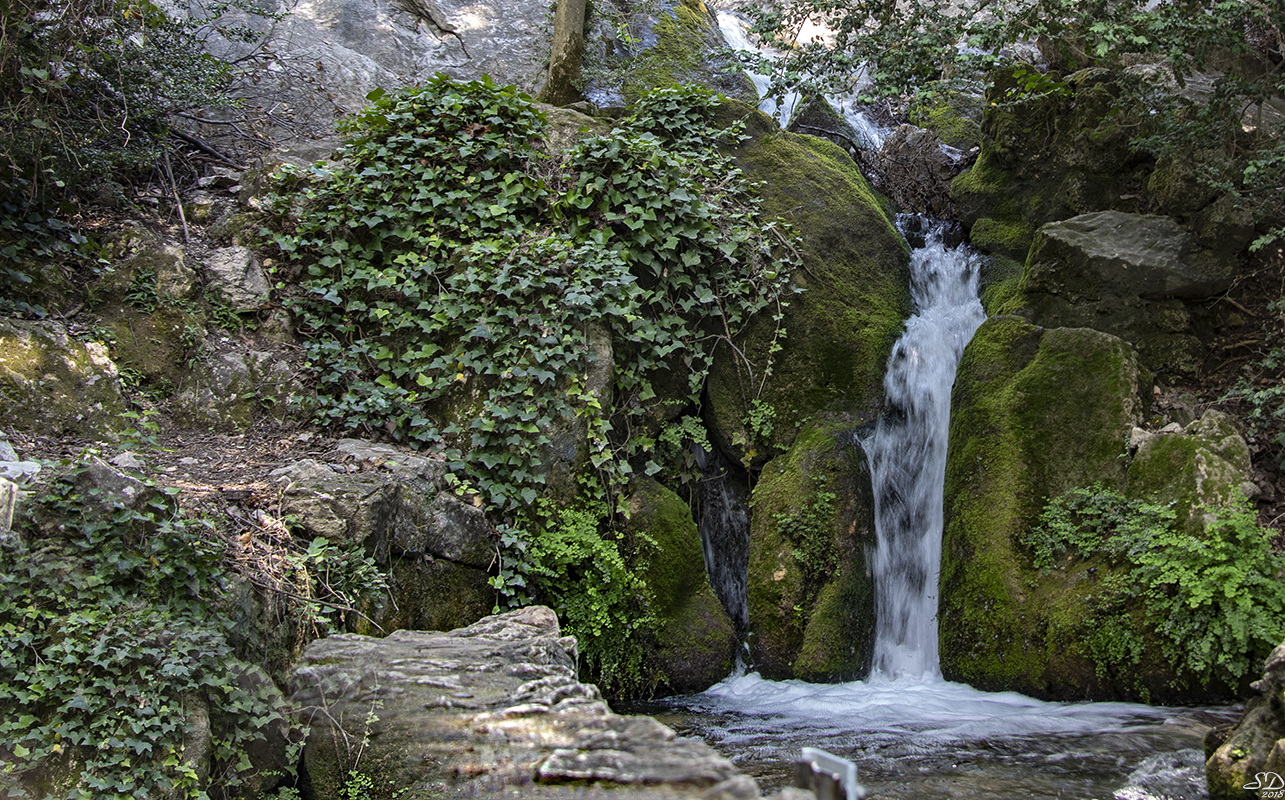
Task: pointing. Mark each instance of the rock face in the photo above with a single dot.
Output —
(841, 328)
(52, 383)
(1035, 412)
(485, 710)
(1128, 275)
(228, 390)
(811, 596)
(1256, 744)
(402, 511)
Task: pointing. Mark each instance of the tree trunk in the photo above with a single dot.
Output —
(568, 51)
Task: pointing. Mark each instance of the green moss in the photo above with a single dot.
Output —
(841, 328)
(954, 115)
(1035, 412)
(810, 622)
(1011, 239)
(1001, 285)
(695, 640)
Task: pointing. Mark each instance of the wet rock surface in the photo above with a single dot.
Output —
(493, 709)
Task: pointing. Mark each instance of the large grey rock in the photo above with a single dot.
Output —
(329, 54)
(486, 710)
(1129, 275)
(1256, 743)
(229, 391)
(399, 507)
(237, 273)
(52, 383)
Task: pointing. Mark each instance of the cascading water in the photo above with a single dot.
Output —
(725, 534)
(907, 452)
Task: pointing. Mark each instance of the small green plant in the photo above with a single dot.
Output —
(810, 529)
(761, 420)
(1216, 602)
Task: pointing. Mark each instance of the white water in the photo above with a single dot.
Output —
(907, 455)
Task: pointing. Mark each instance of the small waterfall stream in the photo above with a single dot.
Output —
(907, 451)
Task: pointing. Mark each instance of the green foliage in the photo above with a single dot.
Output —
(811, 529)
(1216, 603)
(579, 570)
(447, 257)
(111, 631)
(1261, 389)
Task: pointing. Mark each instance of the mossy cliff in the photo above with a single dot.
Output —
(811, 596)
(695, 640)
(1035, 412)
(840, 329)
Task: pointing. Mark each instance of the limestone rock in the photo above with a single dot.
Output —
(230, 390)
(401, 510)
(481, 710)
(237, 273)
(1199, 469)
(52, 383)
(1256, 743)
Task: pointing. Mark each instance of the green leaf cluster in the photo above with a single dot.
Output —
(112, 632)
(452, 265)
(1216, 602)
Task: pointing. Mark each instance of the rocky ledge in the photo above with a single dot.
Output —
(490, 710)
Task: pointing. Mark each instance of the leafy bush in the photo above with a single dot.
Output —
(1217, 603)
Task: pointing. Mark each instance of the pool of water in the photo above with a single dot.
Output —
(929, 738)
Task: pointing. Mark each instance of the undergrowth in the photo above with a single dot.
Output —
(112, 636)
(1216, 602)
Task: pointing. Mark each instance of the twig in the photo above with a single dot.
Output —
(178, 201)
(207, 149)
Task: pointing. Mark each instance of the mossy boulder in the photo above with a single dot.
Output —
(839, 331)
(1035, 412)
(53, 383)
(953, 111)
(672, 42)
(154, 347)
(1047, 156)
(1200, 469)
(811, 595)
(695, 639)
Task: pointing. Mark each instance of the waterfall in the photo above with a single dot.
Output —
(907, 451)
(725, 534)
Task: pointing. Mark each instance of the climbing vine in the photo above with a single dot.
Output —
(467, 292)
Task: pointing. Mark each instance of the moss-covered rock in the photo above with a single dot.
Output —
(1203, 468)
(695, 639)
(52, 383)
(840, 330)
(811, 596)
(953, 111)
(671, 42)
(1035, 412)
(1048, 156)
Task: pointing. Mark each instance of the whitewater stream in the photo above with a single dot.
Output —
(911, 733)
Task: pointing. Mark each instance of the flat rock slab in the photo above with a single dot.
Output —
(493, 709)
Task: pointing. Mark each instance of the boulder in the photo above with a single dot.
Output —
(489, 709)
(811, 595)
(1035, 412)
(1128, 275)
(695, 638)
(1237, 758)
(399, 507)
(854, 294)
(1200, 469)
(229, 391)
(51, 383)
(236, 272)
